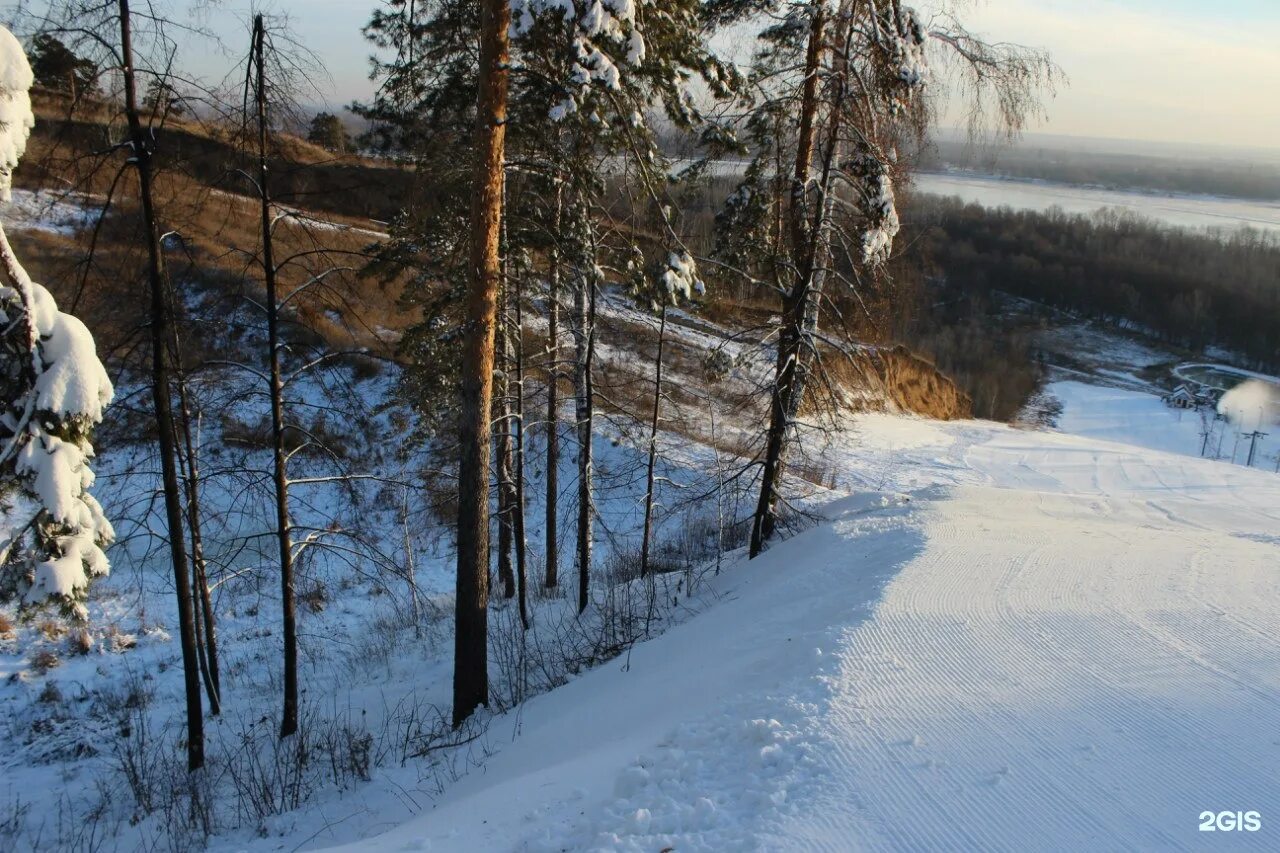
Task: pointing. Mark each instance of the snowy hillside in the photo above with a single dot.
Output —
(1060, 643)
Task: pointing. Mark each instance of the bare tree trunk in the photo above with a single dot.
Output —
(653, 445)
(189, 463)
(584, 340)
(553, 400)
(289, 717)
(794, 303)
(205, 622)
(502, 431)
(517, 527)
(161, 322)
(470, 659)
(411, 572)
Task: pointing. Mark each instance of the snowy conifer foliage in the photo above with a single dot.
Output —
(599, 30)
(54, 392)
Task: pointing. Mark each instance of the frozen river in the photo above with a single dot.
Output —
(1185, 211)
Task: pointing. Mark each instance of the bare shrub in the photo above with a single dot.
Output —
(315, 597)
(44, 660)
(51, 629)
(13, 817)
(50, 694)
(119, 641)
(80, 641)
(87, 828)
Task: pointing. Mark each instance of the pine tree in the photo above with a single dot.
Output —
(581, 80)
(328, 131)
(54, 390)
(57, 67)
(677, 281)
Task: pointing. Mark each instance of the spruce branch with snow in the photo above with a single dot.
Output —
(55, 391)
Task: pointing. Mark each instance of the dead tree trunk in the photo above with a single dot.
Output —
(289, 716)
(470, 659)
(653, 445)
(161, 323)
(794, 302)
(553, 399)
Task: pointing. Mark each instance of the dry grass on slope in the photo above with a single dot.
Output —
(896, 379)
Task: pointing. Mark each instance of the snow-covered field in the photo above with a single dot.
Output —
(1142, 418)
(1134, 417)
(1023, 640)
(1179, 209)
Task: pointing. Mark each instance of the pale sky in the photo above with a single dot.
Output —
(1203, 71)
(1190, 71)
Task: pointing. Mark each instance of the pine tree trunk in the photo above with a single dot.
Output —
(553, 402)
(470, 659)
(584, 342)
(653, 445)
(794, 305)
(161, 322)
(288, 601)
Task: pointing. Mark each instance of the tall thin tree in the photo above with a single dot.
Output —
(279, 453)
(504, 464)
(584, 321)
(470, 658)
(516, 338)
(796, 299)
(647, 532)
(206, 623)
(141, 155)
(551, 520)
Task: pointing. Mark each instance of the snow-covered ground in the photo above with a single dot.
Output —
(1140, 418)
(1130, 417)
(1179, 209)
(55, 213)
(998, 639)
(1023, 640)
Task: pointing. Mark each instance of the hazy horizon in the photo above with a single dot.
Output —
(1152, 71)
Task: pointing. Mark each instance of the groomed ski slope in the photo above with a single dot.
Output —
(1047, 642)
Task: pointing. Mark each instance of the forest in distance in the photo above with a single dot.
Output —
(1183, 288)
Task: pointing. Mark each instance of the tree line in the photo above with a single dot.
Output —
(1193, 290)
